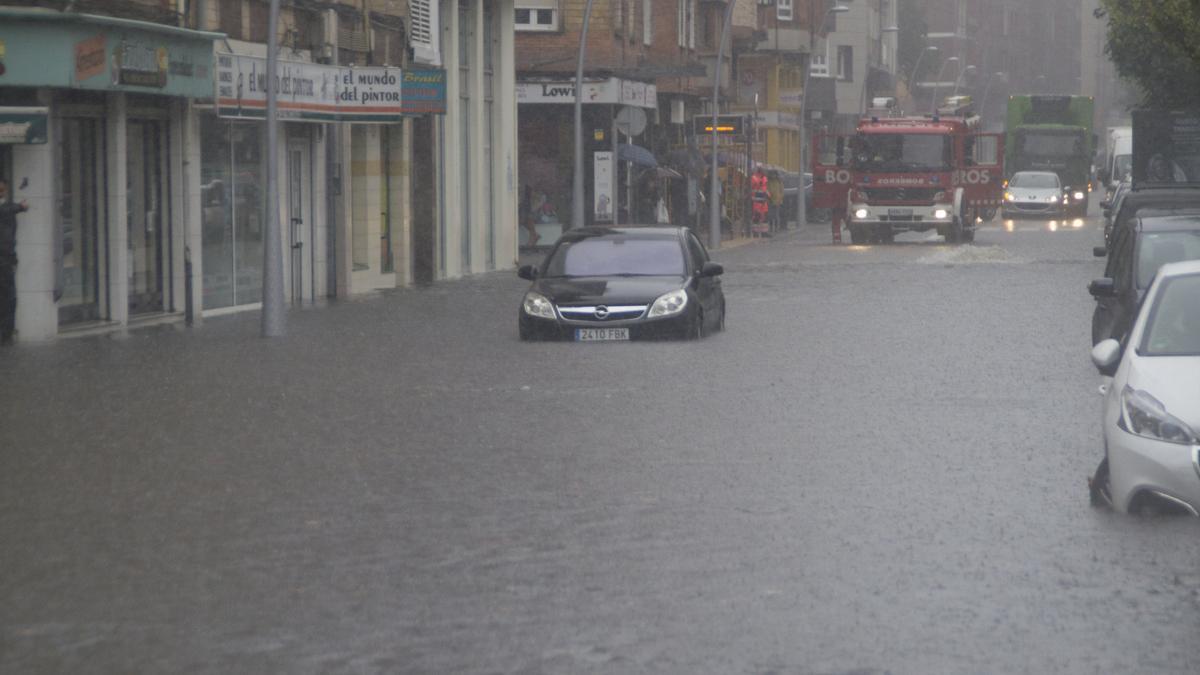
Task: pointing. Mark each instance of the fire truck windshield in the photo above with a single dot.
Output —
(1051, 144)
(900, 153)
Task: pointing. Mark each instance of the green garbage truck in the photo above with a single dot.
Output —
(1053, 133)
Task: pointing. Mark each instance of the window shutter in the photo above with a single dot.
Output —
(424, 31)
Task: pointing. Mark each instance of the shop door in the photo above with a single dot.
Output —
(145, 166)
(81, 209)
(300, 221)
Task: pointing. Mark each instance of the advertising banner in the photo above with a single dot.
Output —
(71, 52)
(315, 92)
(603, 187)
(23, 125)
(1166, 147)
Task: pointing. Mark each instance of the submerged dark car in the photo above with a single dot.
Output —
(623, 283)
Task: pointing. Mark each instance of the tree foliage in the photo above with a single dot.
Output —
(1156, 44)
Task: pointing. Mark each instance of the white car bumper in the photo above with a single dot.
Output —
(1166, 470)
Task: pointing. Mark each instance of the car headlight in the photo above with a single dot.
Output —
(537, 304)
(1078, 195)
(1143, 415)
(669, 304)
(1008, 196)
(861, 213)
(940, 213)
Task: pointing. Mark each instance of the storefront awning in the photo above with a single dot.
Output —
(607, 91)
(636, 154)
(44, 48)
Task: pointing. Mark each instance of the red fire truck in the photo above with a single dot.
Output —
(910, 174)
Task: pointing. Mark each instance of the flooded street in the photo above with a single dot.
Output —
(879, 467)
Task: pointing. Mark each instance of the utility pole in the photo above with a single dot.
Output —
(714, 201)
(577, 219)
(274, 319)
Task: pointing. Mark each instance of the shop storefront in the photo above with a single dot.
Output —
(104, 241)
(368, 108)
(545, 140)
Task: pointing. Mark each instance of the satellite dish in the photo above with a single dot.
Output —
(631, 121)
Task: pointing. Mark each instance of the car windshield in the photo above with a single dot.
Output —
(617, 255)
(1173, 328)
(1034, 180)
(1121, 167)
(1049, 144)
(902, 152)
(1156, 249)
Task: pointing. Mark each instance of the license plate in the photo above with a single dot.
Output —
(601, 334)
(899, 212)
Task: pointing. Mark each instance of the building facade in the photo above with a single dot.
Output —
(145, 158)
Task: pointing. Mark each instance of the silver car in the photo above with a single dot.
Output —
(1152, 405)
(1033, 193)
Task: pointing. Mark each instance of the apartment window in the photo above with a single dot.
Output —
(424, 31)
(845, 63)
(685, 24)
(535, 15)
(647, 22)
(230, 20)
(820, 66)
(783, 10)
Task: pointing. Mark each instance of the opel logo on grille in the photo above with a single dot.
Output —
(601, 312)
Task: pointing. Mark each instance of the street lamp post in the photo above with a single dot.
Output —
(912, 80)
(958, 80)
(869, 79)
(577, 185)
(937, 80)
(986, 90)
(801, 205)
(714, 200)
(274, 318)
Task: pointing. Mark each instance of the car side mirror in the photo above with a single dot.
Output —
(1102, 288)
(712, 269)
(1106, 204)
(1106, 355)
(1099, 251)
(527, 272)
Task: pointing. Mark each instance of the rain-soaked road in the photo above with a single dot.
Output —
(878, 468)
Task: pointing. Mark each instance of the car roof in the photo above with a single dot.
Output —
(1179, 269)
(1035, 173)
(630, 231)
(1165, 220)
(1166, 195)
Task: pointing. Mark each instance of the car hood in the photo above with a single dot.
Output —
(1034, 194)
(1174, 381)
(607, 290)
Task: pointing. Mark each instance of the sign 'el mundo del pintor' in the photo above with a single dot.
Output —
(320, 93)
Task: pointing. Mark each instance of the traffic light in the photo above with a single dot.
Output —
(727, 125)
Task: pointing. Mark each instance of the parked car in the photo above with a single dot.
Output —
(1111, 206)
(623, 283)
(1151, 421)
(1153, 239)
(1033, 193)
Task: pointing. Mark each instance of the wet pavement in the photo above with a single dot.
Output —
(878, 468)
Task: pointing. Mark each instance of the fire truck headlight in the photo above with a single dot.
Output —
(940, 214)
(860, 213)
(1078, 195)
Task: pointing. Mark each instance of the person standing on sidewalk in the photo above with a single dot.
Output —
(775, 188)
(8, 262)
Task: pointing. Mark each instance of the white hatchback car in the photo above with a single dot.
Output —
(1152, 405)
